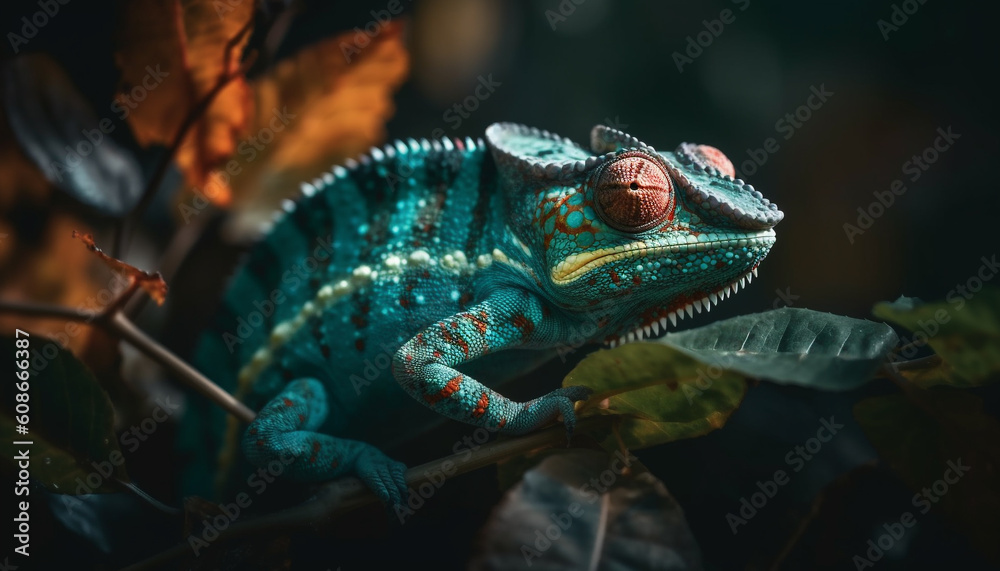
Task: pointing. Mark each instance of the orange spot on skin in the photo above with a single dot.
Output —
(484, 401)
(260, 444)
(359, 344)
(636, 280)
(502, 422)
(454, 339)
(479, 321)
(526, 325)
(287, 402)
(448, 390)
(302, 419)
(437, 354)
(614, 277)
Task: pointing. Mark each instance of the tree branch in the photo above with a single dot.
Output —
(346, 494)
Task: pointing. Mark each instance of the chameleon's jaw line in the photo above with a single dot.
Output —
(575, 266)
(652, 329)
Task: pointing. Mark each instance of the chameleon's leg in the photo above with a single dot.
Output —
(285, 429)
(424, 365)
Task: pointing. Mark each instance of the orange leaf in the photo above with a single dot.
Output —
(151, 282)
(172, 54)
(313, 110)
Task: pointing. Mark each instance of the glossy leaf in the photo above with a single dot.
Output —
(75, 449)
(582, 509)
(63, 135)
(662, 393)
(964, 332)
(792, 346)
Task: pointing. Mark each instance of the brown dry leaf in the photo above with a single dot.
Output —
(151, 282)
(314, 110)
(172, 53)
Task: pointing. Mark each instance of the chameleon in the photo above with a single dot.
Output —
(432, 271)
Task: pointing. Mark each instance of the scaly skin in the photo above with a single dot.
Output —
(438, 261)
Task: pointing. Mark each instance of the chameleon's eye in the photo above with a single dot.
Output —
(633, 193)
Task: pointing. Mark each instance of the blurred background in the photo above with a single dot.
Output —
(821, 106)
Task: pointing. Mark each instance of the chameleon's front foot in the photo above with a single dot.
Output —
(383, 476)
(286, 430)
(544, 409)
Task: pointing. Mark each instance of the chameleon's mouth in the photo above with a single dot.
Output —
(575, 266)
(656, 319)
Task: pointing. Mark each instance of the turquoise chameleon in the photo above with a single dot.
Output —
(430, 271)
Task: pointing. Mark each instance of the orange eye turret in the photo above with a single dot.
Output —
(633, 192)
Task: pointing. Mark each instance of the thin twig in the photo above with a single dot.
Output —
(346, 494)
(115, 322)
(124, 328)
(928, 362)
(800, 530)
(46, 311)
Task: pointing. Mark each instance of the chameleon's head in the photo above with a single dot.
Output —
(628, 236)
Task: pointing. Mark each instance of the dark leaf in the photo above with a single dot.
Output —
(63, 135)
(792, 346)
(582, 510)
(75, 449)
(929, 441)
(964, 332)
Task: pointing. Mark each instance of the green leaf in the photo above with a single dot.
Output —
(927, 439)
(582, 509)
(964, 332)
(661, 393)
(792, 346)
(70, 423)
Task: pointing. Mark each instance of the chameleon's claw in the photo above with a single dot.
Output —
(544, 409)
(567, 407)
(383, 476)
